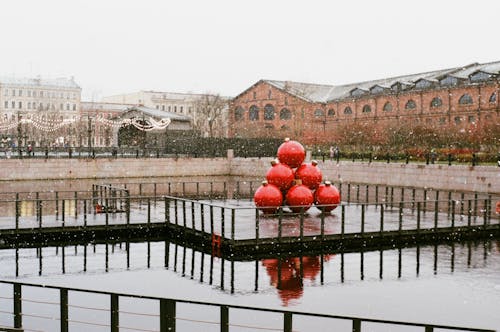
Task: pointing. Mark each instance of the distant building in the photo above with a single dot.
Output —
(461, 96)
(37, 100)
(108, 122)
(195, 106)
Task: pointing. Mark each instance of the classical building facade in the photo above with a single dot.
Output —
(29, 104)
(461, 96)
(209, 113)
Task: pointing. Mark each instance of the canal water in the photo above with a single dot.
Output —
(453, 284)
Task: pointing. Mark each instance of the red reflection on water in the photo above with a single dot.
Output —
(286, 274)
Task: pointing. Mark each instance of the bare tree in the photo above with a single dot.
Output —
(210, 115)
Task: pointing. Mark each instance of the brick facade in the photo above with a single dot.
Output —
(316, 122)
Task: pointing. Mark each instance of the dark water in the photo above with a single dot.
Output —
(447, 284)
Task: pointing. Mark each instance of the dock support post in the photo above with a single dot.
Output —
(224, 318)
(63, 306)
(356, 325)
(18, 316)
(167, 315)
(115, 313)
(287, 322)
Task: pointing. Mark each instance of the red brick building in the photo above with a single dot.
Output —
(462, 96)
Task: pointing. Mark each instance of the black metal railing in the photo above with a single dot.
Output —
(168, 313)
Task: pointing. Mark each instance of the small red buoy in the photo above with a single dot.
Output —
(310, 175)
(328, 196)
(299, 197)
(291, 153)
(268, 198)
(280, 175)
(98, 208)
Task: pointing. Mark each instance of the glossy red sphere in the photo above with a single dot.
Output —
(268, 198)
(280, 175)
(299, 197)
(310, 174)
(327, 195)
(291, 153)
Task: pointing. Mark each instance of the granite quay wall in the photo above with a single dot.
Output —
(442, 177)
(59, 169)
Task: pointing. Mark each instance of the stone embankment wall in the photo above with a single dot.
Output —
(455, 177)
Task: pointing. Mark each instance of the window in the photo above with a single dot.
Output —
(190, 109)
(449, 80)
(13, 104)
(20, 93)
(254, 95)
(423, 84)
(479, 76)
(253, 113)
(20, 104)
(74, 107)
(239, 113)
(67, 107)
(331, 112)
(269, 94)
(6, 92)
(410, 105)
(319, 113)
(6, 104)
(175, 109)
(162, 107)
(13, 93)
(493, 98)
(169, 108)
(471, 119)
(357, 92)
(347, 110)
(182, 109)
(458, 120)
(285, 114)
(436, 102)
(286, 100)
(442, 121)
(34, 94)
(157, 107)
(269, 112)
(388, 107)
(29, 105)
(366, 109)
(466, 99)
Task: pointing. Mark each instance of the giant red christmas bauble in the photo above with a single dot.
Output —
(298, 197)
(268, 198)
(291, 153)
(310, 174)
(280, 175)
(327, 195)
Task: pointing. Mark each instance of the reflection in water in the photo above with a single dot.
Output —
(288, 274)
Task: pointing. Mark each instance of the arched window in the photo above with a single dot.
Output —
(458, 120)
(388, 107)
(285, 114)
(331, 112)
(466, 99)
(367, 109)
(239, 113)
(269, 112)
(493, 97)
(347, 110)
(436, 102)
(319, 113)
(253, 113)
(410, 105)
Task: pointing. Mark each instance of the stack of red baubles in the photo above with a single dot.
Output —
(294, 183)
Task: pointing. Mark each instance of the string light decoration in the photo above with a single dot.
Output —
(49, 125)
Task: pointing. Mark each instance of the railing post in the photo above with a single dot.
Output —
(63, 306)
(18, 316)
(115, 313)
(287, 322)
(17, 211)
(167, 209)
(167, 315)
(362, 219)
(232, 223)
(224, 318)
(356, 325)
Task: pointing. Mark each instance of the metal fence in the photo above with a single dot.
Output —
(167, 315)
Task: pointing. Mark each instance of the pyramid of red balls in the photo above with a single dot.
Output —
(294, 183)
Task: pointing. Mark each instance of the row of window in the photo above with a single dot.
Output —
(170, 108)
(40, 94)
(285, 114)
(38, 106)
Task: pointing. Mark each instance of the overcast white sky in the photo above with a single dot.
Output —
(224, 46)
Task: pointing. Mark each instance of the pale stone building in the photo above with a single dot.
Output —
(195, 106)
(28, 104)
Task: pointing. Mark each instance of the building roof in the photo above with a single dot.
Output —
(61, 82)
(321, 93)
(123, 108)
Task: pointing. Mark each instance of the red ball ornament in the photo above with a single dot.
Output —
(280, 175)
(327, 195)
(291, 153)
(268, 198)
(310, 175)
(298, 197)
